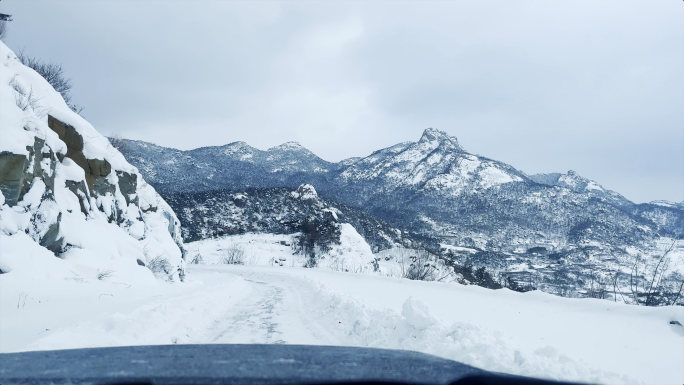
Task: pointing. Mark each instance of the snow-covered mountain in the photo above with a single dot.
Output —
(71, 206)
(432, 186)
(233, 166)
(435, 163)
(543, 229)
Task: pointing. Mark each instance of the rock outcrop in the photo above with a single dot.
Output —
(66, 187)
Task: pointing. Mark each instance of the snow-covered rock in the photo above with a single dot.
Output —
(65, 188)
(305, 191)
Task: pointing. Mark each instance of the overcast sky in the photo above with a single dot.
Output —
(593, 86)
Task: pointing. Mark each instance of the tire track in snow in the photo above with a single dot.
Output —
(253, 319)
(278, 310)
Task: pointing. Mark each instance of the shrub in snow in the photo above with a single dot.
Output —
(418, 266)
(234, 255)
(197, 259)
(316, 237)
(647, 286)
(481, 277)
(311, 261)
(512, 284)
(159, 266)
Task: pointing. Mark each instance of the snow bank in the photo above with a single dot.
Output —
(66, 192)
(535, 334)
(351, 254)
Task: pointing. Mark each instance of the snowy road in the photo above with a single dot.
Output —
(273, 312)
(531, 334)
(217, 304)
(252, 320)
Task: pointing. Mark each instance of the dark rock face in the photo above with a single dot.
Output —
(52, 240)
(128, 185)
(79, 189)
(16, 177)
(12, 176)
(68, 135)
(96, 172)
(17, 174)
(94, 168)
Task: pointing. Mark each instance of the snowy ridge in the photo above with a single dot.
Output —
(66, 191)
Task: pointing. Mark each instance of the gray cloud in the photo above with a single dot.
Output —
(545, 86)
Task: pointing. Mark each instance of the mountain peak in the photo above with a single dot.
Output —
(435, 135)
(291, 145)
(239, 145)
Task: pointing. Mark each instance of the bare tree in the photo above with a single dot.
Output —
(614, 279)
(597, 284)
(24, 97)
(234, 255)
(159, 266)
(679, 293)
(54, 74)
(419, 267)
(649, 287)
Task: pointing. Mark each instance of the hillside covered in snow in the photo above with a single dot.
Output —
(71, 206)
(561, 233)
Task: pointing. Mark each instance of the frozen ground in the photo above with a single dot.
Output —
(533, 333)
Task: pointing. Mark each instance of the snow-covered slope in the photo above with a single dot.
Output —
(66, 192)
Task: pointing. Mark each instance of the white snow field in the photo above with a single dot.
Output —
(533, 334)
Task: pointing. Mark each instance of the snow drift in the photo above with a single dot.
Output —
(65, 191)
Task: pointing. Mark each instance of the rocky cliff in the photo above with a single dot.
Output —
(64, 187)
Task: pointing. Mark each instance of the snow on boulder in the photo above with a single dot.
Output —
(352, 253)
(305, 192)
(65, 187)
